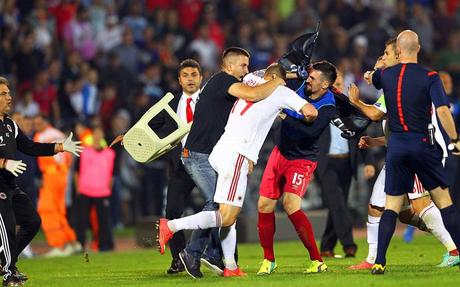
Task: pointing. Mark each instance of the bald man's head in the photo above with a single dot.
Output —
(407, 43)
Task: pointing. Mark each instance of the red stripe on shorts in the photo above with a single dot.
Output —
(418, 187)
(236, 176)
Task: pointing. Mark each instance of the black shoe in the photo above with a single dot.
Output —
(216, 266)
(176, 267)
(192, 266)
(350, 251)
(378, 269)
(327, 253)
(12, 281)
(21, 276)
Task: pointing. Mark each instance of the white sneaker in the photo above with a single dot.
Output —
(77, 248)
(27, 252)
(58, 252)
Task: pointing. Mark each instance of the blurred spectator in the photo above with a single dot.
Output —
(127, 52)
(27, 61)
(243, 37)
(109, 104)
(119, 125)
(295, 21)
(114, 73)
(110, 34)
(27, 106)
(449, 58)
(135, 21)
(421, 24)
(64, 11)
(341, 46)
(84, 99)
(189, 13)
(98, 16)
(45, 95)
(149, 48)
(51, 201)
(93, 179)
(400, 19)
(205, 48)
(443, 23)
(43, 29)
(150, 80)
(10, 15)
(215, 29)
(79, 35)
(181, 36)
(262, 47)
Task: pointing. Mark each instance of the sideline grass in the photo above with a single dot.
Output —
(409, 265)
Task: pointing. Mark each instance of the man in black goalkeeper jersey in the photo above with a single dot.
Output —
(22, 213)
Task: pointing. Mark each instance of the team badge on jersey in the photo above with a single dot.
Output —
(9, 128)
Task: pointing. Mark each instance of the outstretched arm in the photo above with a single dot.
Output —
(368, 142)
(29, 147)
(256, 93)
(369, 111)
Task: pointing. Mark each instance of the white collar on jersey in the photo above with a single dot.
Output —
(194, 96)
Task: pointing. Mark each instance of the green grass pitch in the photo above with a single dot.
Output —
(408, 265)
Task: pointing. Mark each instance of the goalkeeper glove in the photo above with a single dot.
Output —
(16, 167)
(72, 146)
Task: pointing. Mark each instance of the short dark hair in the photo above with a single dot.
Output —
(391, 41)
(189, 63)
(276, 69)
(235, 51)
(4, 81)
(328, 71)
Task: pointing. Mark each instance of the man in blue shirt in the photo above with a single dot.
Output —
(409, 91)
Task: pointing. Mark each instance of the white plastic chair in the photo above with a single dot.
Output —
(141, 141)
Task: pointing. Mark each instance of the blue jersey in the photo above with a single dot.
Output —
(409, 91)
(299, 140)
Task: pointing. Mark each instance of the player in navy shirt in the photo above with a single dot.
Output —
(409, 91)
(291, 165)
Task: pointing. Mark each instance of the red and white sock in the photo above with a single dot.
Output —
(433, 220)
(372, 237)
(228, 247)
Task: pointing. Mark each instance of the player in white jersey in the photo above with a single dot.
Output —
(420, 200)
(245, 133)
(234, 154)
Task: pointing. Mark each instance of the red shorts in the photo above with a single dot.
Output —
(283, 175)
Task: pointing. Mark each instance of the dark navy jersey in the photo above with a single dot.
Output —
(299, 140)
(12, 139)
(409, 91)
